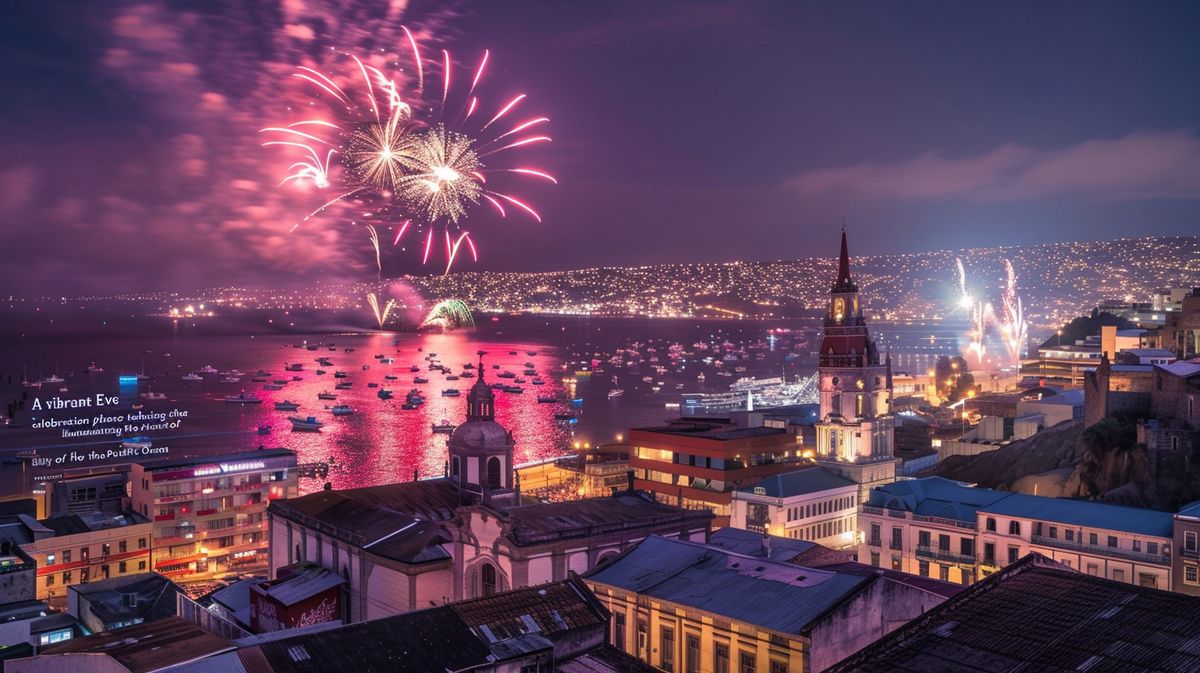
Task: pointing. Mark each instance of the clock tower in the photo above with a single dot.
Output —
(855, 433)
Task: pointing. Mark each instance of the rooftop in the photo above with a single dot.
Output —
(1182, 368)
(542, 522)
(1036, 615)
(170, 463)
(750, 543)
(778, 596)
(143, 596)
(720, 433)
(145, 647)
(935, 496)
(73, 524)
(303, 582)
(1084, 513)
(799, 482)
(1072, 397)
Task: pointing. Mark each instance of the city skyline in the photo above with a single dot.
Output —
(681, 134)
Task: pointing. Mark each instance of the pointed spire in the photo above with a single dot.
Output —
(844, 282)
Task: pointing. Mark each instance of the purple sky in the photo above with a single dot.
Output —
(682, 131)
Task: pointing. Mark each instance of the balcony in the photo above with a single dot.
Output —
(942, 521)
(945, 555)
(877, 511)
(1101, 550)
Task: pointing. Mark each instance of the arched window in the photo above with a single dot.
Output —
(493, 472)
(488, 574)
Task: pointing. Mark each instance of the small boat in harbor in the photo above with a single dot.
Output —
(297, 378)
(193, 376)
(326, 396)
(320, 372)
(451, 392)
(420, 379)
(615, 392)
(287, 405)
(339, 375)
(272, 386)
(207, 369)
(344, 385)
(151, 395)
(546, 399)
(243, 398)
(372, 385)
(387, 361)
(384, 394)
(538, 382)
(341, 410)
(516, 390)
(231, 379)
(414, 368)
(309, 424)
(445, 427)
(294, 367)
(136, 443)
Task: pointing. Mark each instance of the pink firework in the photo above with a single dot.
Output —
(379, 149)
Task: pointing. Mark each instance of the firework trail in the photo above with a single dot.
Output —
(381, 313)
(414, 164)
(1012, 324)
(1008, 321)
(373, 234)
(965, 301)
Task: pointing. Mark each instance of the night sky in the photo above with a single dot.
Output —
(681, 131)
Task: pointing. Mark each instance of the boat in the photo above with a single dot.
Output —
(506, 375)
(320, 372)
(309, 424)
(390, 377)
(467, 375)
(528, 365)
(469, 366)
(615, 392)
(414, 368)
(62, 389)
(294, 367)
(387, 361)
(231, 379)
(538, 382)
(151, 395)
(443, 427)
(340, 375)
(546, 399)
(409, 406)
(272, 386)
(344, 385)
(452, 377)
(341, 410)
(512, 352)
(700, 377)
(378, 356)
(53, 378)
(326, 396)
(384, 394)
(286, 405)
(264, 429)
(420, 379)
(32, 384)
(258, 379)
(531, 353)
(297, 378)
(518, 380)
(279, 382)
(207, 369)
(324, 362)
(192, 377)
(513, 389)
(451, 392)
(372, 385)
(243, 398)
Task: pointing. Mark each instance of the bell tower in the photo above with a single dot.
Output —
(481, 450)
(855, 433)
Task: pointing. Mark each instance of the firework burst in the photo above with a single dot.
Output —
(382, 313)
(416, 166)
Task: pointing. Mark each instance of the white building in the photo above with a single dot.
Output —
(811, 504)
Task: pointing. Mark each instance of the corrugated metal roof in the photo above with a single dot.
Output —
(1085, 513)
(777, 596)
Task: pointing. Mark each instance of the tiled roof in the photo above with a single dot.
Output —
(777, 596)
(1038, 616)
(545, 609)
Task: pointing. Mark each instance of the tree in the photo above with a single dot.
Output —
(953, 378)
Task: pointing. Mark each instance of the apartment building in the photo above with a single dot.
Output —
(1185, 573)
(208, 513)
(940, 528)
(811, 504)
(77, 549)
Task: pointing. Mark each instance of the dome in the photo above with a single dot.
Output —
(480, 435)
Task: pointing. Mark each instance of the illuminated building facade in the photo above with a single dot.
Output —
(855, 434)
(209, 514)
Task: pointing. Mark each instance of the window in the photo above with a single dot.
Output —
(488, 574)
(1014, 554)
(1014, 527)
(105, 549)
(54, 637)
(1112, 541)
(1147, 580)
(493, 473)
(66, 556)
(746, 663)
(897, 538)
(991, 524)
(641, 643)
(1137, 545)
(1191, 574)
(1069, 535)
(691, 655)
(141, 565)
(619, 631)
(67, 577)
(778, 666)
(720, 658)
(966, 576)
(1189, 541)
(50, 579)
(895, 563)
(49, 559)
(666, 647)
(1152, 548)
(944, 542)
(923, 538)
(1093, 539)
(1053, 532)
(875, 559)
(989, 553)
(123, 546)
(966, 546)
(944, 572)
(1093, 569)
(141, 543)
(923, 568)
(1118, 575)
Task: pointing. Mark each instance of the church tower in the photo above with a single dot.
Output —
(481, 450)
(855, 433)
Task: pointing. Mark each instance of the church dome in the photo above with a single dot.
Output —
(480, 435)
